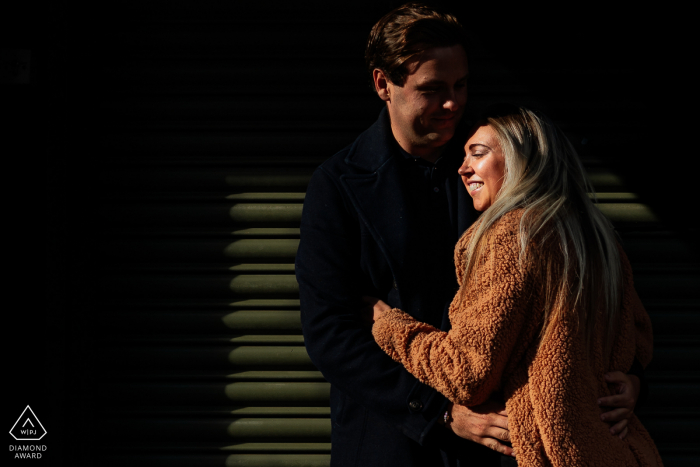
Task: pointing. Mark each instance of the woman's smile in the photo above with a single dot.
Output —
(474, 186)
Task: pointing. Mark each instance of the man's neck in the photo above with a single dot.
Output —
(430, 154)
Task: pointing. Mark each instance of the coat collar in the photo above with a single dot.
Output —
(374, 147)
(379, 194)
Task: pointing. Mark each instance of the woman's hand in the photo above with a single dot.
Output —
(375, 308)
(621, 404)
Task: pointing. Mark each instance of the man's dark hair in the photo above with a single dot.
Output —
(406, 32)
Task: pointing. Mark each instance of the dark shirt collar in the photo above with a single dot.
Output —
(420, 160)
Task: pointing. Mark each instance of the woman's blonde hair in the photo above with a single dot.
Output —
(544, 177)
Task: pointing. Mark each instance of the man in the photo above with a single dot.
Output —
(381, 218)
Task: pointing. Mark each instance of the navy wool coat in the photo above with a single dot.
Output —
(356, 240)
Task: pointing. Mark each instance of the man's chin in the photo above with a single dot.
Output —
(441, 137)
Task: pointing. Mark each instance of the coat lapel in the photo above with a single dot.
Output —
(378, 194)
(380, 201)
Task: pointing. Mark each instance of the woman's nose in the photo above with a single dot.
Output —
(465, 168)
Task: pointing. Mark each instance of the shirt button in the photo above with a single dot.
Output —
(415, 405)
(436, 189)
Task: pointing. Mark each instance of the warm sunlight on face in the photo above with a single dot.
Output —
(425, 111)
(483, 168)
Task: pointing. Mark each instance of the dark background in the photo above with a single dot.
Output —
(620, 80)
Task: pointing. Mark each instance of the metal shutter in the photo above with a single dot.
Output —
(201, 356)
(206, 358)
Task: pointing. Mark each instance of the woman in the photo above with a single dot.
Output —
(546, 304)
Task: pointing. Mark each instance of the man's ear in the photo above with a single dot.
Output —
(382, 85)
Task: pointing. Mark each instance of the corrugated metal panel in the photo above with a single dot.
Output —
(201, 352)
(208, 353)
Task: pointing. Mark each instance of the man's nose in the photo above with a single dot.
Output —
(451, 103)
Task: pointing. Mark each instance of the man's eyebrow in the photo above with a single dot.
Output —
(432, 82)
(435, 82)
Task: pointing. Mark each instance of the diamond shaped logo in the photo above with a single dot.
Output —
(27, 427)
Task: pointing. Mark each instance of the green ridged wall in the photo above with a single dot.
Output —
(206, 354)
(201, 358)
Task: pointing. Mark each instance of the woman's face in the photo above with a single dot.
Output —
(483, 168)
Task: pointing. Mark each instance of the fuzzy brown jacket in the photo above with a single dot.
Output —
(551, 390)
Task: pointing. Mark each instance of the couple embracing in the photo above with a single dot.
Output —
(505, 328)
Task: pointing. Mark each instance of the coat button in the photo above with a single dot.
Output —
(415, 405)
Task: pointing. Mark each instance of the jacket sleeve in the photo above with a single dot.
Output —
(331, 284)
(466, 363)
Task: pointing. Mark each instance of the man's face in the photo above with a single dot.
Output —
(426, 109)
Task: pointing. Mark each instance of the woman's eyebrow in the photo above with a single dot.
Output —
(478, 144)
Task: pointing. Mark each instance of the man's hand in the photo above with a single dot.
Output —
(485, 424)
(621, 404)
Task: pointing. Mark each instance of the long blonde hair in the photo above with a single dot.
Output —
(544, 177)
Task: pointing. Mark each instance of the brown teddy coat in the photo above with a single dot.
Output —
(551, 391)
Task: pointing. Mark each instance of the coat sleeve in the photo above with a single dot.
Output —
(488, 315)
(331, 283)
